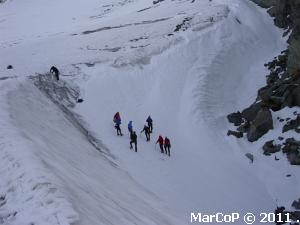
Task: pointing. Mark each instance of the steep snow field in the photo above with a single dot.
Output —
(133, 57)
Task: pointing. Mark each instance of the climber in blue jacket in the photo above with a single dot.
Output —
(130, 127)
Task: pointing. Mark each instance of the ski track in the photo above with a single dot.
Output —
(57, 171)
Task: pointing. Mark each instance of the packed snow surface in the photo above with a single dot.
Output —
(186, 63)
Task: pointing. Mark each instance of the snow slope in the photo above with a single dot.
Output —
(96, 187)
(187, 89)
(126, 56)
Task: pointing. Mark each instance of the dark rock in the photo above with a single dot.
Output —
(286, 15)
(294, 158)
(291, 125)
(295, 216)
(296, 204)
(280, 210)
(291, 146)
(273, 76)
(281, 120)
(9, 67)
(295, 95)
(80, 100)
(287, 119)
(294, 56)
(269, 148)
(235, 118)
(292, 141)
(184, 25)
(157, 1)
(244, 127)
(262, 123)
(264, 94)
(235, 133)
(2, 197)
(250, 157)
(250, 113)
(277, 95)
(283, 82)
(265, 3)
(288, 175)
(280, 138)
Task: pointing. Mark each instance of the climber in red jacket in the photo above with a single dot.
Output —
(160, 141)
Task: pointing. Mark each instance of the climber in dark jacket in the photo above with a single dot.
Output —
(55, 71)
(133, 140)
(147, 132)
(150, 123)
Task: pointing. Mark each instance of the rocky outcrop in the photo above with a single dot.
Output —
(292, 149)
(286, 15)
(250, 113)
(235, 133)
(283, 86)
(256, 121)
(292, 125)
(270, 148)
(283, 81)
(296, 204)
(262, 123)
(235, 118)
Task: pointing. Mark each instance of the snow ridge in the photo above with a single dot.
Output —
(29, 191)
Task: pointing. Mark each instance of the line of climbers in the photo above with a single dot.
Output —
(164, 144)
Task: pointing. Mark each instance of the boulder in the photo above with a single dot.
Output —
(269, 148)
(244, 127)
(280, 138)
(235, 118)
(262, 123)
(291, 125)
(264, 93)
(251, 112)
(9, 67)
(296, 204)
(294, 158)
(79, 100)
(235, 133)
(250, 157)
(291, 145)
